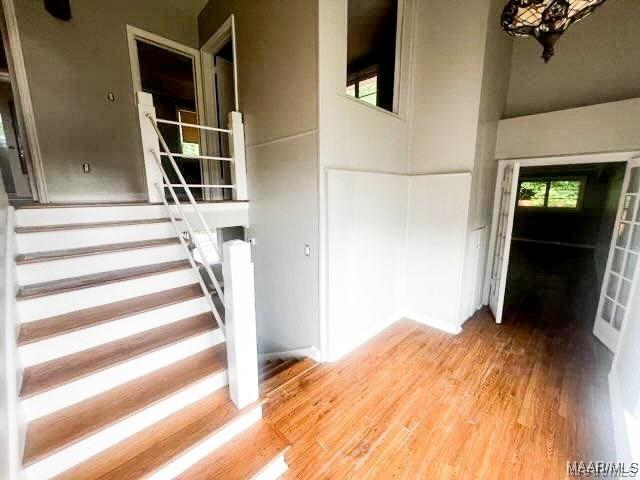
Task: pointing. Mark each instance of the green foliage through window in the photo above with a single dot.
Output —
(551, 193)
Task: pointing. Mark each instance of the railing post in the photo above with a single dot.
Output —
(237, 150)
(240, 323)
(149, 144)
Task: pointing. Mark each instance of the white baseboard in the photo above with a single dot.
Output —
(623, 449)
(311, 352)
(99, 198)
(359, 340)
(434, 322)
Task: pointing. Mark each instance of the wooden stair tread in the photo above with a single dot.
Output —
(241, 458)
(147, 451)
(37, 257)
(69, 322)
(95, 279)
(286, 376)
(47, 375)
(78, 226)
(32, 206)
(50, 434)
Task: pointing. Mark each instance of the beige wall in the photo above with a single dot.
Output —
(277, 63)
(493, 96)
(596, 61)
(277, 45)
(449, 56)
(70, 67)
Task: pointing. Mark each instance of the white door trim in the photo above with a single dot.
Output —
(226, 32)
(24, 107)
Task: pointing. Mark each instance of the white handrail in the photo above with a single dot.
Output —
(191, 231)
(198, 157)
(192, 200)
(194, 125)
(197, 185)
(204, 288)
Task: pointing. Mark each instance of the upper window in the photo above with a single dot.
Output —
(560, 193)
(372, 59)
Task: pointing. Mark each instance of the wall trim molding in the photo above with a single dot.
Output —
(26, 114)
(311, 352)
(433, 322)
(622, 447)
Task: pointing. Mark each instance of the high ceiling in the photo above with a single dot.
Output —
(369, 22)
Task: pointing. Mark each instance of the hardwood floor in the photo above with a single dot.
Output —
(510, 401)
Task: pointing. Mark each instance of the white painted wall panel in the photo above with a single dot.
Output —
(366, 240)
(608, 127)
(437, 231)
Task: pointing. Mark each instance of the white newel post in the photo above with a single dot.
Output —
(239, 166)
(149, 143)
(240, 323)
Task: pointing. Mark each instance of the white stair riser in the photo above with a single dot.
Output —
(91, 237)
(51, 305)
(189, 458)
(104, 262)
(274, 470)
(74, 392)
(31, 217)
(94, 444)
(73, 342)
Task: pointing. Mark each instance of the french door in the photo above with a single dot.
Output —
(621, 275)
(506, 204)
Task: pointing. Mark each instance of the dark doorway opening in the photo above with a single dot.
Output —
(562, 230)
(170, 78)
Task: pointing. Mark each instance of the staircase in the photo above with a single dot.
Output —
(123, 367)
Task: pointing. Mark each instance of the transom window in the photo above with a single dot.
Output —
(551, 193)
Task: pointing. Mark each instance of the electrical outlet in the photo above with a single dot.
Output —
(86, 168)
(307, 250)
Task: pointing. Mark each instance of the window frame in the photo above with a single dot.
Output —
(360, 77)
(549, 180)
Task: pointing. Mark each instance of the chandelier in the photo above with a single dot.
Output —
(546, 20)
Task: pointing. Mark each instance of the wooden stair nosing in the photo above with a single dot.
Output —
(39, 257)
(54, 287)
(50, 434)
(70, 322)
(36, 206)
(54, 373)
(151, 449)
(243, 456)
(285, 377)
(80, 226)
(276, 369)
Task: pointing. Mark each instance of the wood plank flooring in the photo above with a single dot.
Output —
(511, 401)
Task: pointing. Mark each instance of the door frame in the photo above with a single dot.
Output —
(224, 34)
(624, 156)
(134, 34)
(24, 107)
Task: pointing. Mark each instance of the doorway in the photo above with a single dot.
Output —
(220, 80)
(14, 154)
(563, 203)
(170, 72)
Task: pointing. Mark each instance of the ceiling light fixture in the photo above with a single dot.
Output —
(545, 20)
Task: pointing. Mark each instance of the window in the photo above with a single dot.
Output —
(373, 64)
(560, 193)
(366, 90)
